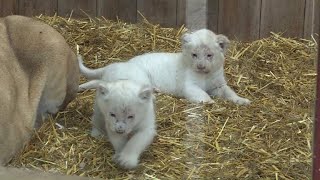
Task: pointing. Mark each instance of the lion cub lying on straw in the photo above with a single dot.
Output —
(195, 74)
(124, 111)
(39, 75)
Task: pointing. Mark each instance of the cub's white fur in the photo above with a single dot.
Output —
(124, 111)
(195, 73)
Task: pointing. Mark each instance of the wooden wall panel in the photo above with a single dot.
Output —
(239, 19)
(123, 9)
(37, 7)
(8, 7)
(181, 12)
(66, 6)
(244, 20)
(282, 16)
(162, 12)
(311, 21)
(213, 15)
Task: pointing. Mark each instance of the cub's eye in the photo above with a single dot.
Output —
(209, 55)
(194, 55)
(130, 117)
(112, 114)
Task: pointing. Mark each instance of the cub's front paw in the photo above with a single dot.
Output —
(242, 101)
(211, 101)
(127, 161)
(203, 100)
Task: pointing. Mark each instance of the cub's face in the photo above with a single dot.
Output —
(122, 119)
(204, 50)
(124, 105)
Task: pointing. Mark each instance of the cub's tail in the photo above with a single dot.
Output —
(87, 72)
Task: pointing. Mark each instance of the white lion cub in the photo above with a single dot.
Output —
(124, 111)
(195, 73)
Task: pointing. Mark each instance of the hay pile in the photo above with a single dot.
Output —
(269, 139)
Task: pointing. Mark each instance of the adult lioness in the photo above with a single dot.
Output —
(39, 75)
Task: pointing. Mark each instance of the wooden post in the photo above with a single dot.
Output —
(196, 14)
(316, 132)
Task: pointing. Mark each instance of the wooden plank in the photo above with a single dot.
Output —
(239, 19)
(37, 7)
(123, 9)
(65, 7)
(196, 14)
(282, 16)
(162, 12)
(213, 15)
(181, 12)
(311, 21)
(8, 7)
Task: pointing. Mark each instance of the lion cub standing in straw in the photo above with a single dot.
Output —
(195, 73)
(124, 111)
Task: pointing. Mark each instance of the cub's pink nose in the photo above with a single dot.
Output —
(200, 66)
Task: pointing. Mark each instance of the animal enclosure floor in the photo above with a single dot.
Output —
(269, 139)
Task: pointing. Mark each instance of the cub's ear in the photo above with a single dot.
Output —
(223, 42)
(185, 38)
(103, 89)
(145, 93)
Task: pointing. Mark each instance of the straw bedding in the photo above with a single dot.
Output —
(269, 139)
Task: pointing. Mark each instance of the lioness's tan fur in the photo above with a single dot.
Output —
(39, 74)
